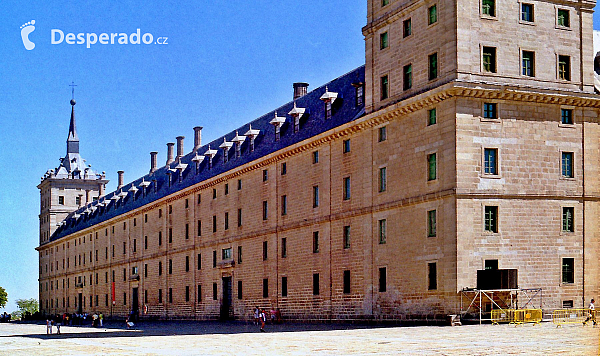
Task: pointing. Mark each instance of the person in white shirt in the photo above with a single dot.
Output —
(591, 313)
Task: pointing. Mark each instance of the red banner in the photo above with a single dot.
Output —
(113, 292)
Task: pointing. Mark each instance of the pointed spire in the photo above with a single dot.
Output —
(73, 139)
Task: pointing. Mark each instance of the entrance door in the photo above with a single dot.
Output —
(226, 307)
(80, 303)
(134, 302)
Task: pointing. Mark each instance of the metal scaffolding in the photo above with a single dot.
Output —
(502, 299)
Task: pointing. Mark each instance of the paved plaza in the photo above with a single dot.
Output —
(236, 338)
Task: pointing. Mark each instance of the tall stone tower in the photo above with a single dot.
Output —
(69, 186)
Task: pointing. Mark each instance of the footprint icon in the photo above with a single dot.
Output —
(26, 29)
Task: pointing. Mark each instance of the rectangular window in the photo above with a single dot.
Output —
(490, 111)
(187, 231)
(61, 200)
(407, 77)
(563, 18)
(214, 223)
(170, 266)
(284, 205)
(489, 59)
(283, 168)
(347, 188)
(568, 270)
(346, 236)
(491, 219)
(568, 224)
(382, 134)
(214, 193)
(315, 242)
(433, 66)
(359, 95)
(239, 185)
(265, 210)
(384, 2)
(265, 250)
(283, 247)
(315, 284)
(187, 293)
(226, 254)
(431, 223)
(406, 28)
(567, 165)
(265, 288)
(528, 63)
(346, 146)
(214, 258)
(226, 188)
(226, 221)
(566, 116)
(490, 161)
(382, 279)
(239, 290)
(315, 157)
(381, 231)
(383, 41)
(265, 175)
(564, 67)
(78, 200)
(488, 7)
(566, 304)
(385, 87)
(284, 287)
(215, 291)
(431, 166)
(160, 296)
(145, 242)
(527, 12)
(159, 268)
(315, 196)
(145, 270)
(432, 276)
(431, 117)
(432, 15)
(198, 199)
(199, 226)
(239, 217)
(490, 264)
(347, 282)
(199, 296)
(382, 179)
(170, 236)
(199, 261)
(239, 255)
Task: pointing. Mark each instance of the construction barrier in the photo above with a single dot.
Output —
(516, 316)
(572, 316)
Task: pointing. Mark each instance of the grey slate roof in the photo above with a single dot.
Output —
(311, 124)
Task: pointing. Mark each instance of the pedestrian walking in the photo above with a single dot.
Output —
(49, 325)
(256, 315)
(101, 319)
(591, 313)
(263, 319)
(58, 323)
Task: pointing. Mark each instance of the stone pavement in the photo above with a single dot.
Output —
(236, 338)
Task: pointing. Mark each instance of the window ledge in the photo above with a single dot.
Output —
(485, 119)
(488, 17)
(568, 126)
(566, 233)
(491, 176)
(528, 23)
(564, 28)
(568, 178)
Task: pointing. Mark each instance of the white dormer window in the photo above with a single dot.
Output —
(144, 185)
(252, 134)
(237, 141)
(297, 113)
(210, 154)
(197, 159)
(133, 190)
(277, 122)
(180, 167)
(328, 97)
(225, 146)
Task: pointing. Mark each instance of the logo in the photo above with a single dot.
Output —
(26, 29)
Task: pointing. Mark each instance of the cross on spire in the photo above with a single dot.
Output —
(73, 85)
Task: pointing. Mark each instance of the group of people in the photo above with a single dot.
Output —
(72, 319)
(260, 317)
(4, 318)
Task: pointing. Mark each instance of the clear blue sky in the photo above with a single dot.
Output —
(226, 63)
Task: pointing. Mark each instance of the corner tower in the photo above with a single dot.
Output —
(69, 186)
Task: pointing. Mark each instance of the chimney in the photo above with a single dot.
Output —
(300, 89)
(197, 137)
(120, 173)
(153, 161)
(179, 147)
(170, 153)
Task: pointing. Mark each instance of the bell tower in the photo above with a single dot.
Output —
(68, 187)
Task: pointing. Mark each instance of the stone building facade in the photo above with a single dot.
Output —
(468, 141)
